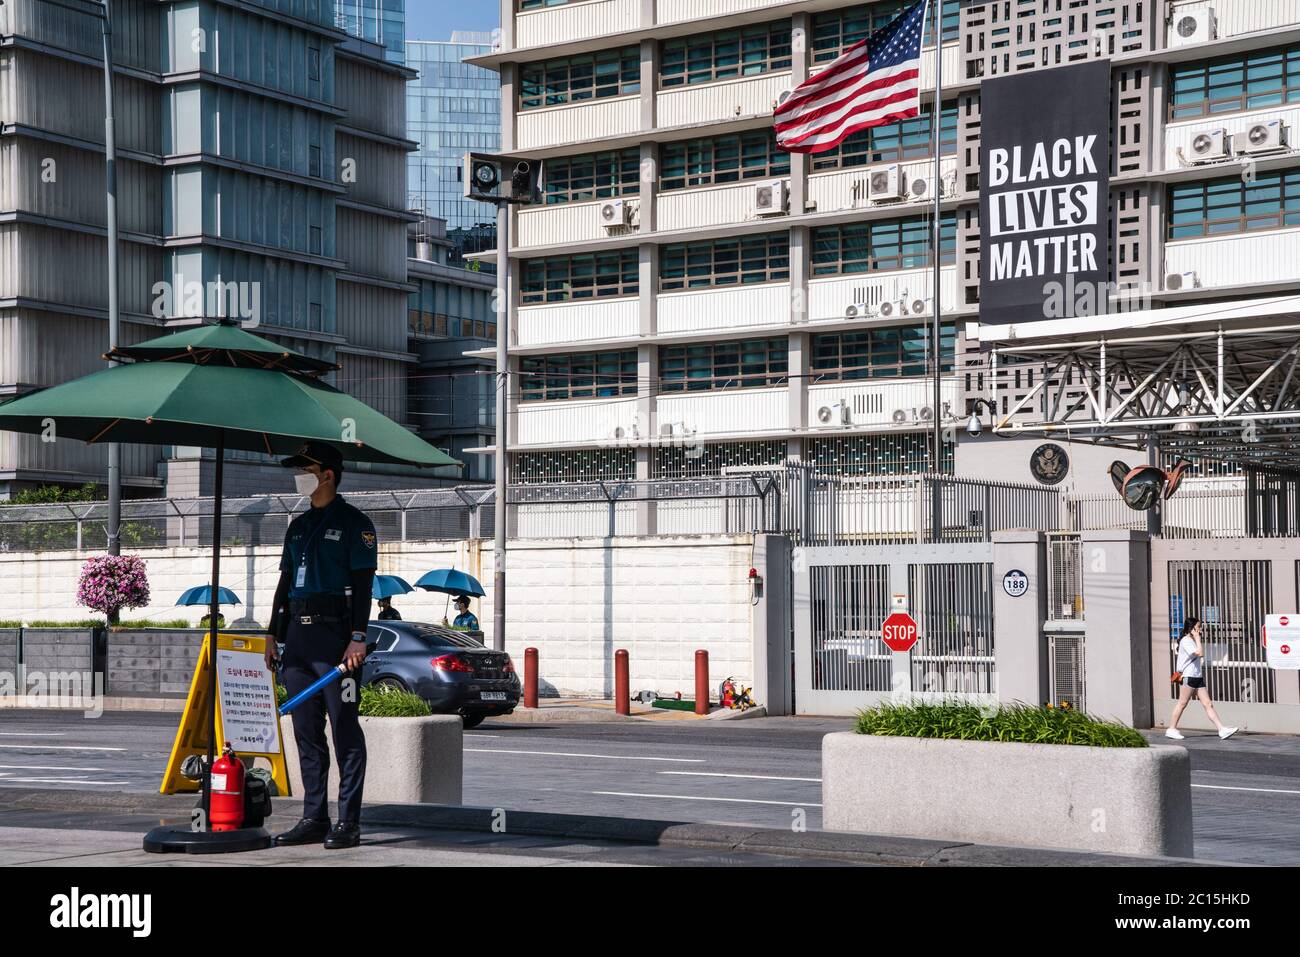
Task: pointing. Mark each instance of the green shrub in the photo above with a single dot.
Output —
(11, 624)
(391, 703)
(281, 694)
(76, 623)
(1029, 724)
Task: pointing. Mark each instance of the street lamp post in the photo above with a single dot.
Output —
(110, 189)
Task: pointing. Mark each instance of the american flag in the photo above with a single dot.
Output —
(874, 82)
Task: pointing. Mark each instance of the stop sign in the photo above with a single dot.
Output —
(899, 631)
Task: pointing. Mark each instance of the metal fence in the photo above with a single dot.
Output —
(900, 510)
(722, 505)
(1064, 577)
(1230, 598)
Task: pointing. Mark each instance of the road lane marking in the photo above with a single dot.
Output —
(686, 797)
(61, 747)
(44, 767)
(33, 734)
(575, 754)
(751, 777)
(7, 780)
(1224, 787)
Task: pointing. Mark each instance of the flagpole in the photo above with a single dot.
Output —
(935, 338)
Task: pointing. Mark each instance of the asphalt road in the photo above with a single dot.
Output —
(759, 772)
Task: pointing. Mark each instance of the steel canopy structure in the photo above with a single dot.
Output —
(1213, 380)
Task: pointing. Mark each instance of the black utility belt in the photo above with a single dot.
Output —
(320, 606)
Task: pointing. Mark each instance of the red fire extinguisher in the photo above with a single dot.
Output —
(227, 797)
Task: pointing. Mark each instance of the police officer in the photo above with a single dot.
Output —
(320, 612)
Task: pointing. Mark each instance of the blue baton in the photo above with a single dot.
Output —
(338, 672)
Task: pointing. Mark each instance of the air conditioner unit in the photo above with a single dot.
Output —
(666, 430)
(888, 309)
(1193, 26)
(1266, 137)
(885, 185)
(918, 187)
(1177, 281)
(836, 415)
(919, 307)
(615, 214)
(785, 95)
(1210, 146)
(854, 312)
(905, 416)
(770, 198)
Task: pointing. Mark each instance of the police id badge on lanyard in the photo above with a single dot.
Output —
(301, 580)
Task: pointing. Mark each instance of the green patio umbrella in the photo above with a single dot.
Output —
(223, 387)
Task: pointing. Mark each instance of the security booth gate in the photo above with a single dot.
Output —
(842, 596)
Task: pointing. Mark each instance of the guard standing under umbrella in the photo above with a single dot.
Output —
(321, 609)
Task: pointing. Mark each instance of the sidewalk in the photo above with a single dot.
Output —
(67, 827)
(561, 710)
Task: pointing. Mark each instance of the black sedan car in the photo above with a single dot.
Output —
(449, 669)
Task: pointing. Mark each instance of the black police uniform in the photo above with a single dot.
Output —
(324, 550)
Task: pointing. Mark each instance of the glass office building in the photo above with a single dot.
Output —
(451, 108)
(379, 21)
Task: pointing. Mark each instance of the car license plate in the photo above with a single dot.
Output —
(492, 695)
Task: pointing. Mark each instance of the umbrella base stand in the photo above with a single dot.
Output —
(179, 839)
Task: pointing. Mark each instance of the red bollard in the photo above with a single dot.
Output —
(701, 682)
(622, 691)
(530, 677)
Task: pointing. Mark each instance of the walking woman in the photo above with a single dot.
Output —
(1191, 665)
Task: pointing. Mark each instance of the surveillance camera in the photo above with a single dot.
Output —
(974, 426)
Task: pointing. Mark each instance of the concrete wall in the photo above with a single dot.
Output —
(1117, 613)
(575, 600)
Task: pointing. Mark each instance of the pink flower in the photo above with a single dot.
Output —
(110, 583)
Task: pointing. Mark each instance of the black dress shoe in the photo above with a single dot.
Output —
(307, 831)
(343, 834)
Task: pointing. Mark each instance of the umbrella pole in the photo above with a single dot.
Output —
(213, 607)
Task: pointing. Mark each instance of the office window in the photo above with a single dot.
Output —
(1231, 205)
(904, 140)
(593, 276)
(835, 30)
(727, 54)
(589, 76)
(725, 262)
(882, 353)
(541, 4)
(881, 245)
(748, 364)
(587, 375)
(722, 159)
(573, 179)
(1242, 82)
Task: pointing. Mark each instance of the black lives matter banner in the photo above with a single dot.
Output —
(1044, 206)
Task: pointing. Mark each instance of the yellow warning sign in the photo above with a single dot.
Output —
(248, 717)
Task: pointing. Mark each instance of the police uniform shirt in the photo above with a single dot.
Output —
(466, 620)
(336, 540)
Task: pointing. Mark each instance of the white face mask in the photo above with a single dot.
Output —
(305, 483)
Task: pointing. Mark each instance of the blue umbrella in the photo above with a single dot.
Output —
(386, 586)
(452, 582)
(202, 595)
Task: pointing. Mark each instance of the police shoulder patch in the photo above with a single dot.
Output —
(368, 539)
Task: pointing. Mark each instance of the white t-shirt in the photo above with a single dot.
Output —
(1189, 662)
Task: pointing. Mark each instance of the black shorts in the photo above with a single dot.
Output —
(1195, 683)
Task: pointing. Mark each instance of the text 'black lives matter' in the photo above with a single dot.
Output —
(1045, 197)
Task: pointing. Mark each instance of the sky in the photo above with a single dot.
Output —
(435, 19)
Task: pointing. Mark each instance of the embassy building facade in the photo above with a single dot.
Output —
(690, 298)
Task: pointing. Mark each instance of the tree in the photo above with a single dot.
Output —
(110, 583)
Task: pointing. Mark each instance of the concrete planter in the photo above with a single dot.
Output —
(1112, 800)
(408, 760)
